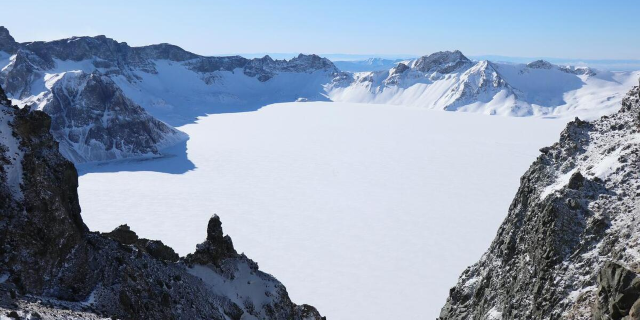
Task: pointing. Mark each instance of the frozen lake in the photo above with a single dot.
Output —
(363, 211)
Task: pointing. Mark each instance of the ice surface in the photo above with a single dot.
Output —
(367, 210)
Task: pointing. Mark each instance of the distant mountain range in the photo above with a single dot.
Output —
(451, 81)
(371, 64)
(109, 100)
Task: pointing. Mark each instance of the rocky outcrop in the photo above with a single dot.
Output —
(543, 64)
(441, 62)
(569, 246)
(618, 293)
(52, 266)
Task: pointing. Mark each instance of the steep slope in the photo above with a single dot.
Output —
(450, 81)
(52, 266)
(569, 247)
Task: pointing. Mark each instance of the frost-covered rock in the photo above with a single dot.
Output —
(441, 62)
(94, 121)
(53, 267)
(570, 245)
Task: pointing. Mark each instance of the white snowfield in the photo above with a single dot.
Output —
(363, 211)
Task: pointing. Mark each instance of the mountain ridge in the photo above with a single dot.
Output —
(168, 86)
(449, 81)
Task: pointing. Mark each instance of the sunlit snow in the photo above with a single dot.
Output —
(367, 210)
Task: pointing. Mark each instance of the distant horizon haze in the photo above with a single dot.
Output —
(585, 30)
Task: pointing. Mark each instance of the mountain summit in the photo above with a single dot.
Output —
(448, 80)
(442, 62)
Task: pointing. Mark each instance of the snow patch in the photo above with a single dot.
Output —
(493, 314)
(560, 182)
(244, 287)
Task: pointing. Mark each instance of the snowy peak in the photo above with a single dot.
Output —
(540, 64)
(450, 81)
(265, 68)
(545, 65)
(399, 69)
(442, 62)
(312, 62)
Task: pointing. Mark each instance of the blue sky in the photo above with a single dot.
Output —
(563, 29)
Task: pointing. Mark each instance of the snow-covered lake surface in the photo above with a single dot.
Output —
(364, 211)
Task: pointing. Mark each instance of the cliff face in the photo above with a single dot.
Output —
(569, 247)
(52, 266)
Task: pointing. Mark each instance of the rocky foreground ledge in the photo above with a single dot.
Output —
(570, 245)
(53, 267)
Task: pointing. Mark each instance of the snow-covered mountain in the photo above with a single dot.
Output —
(450, 81)
(110, 100)
(98, 91)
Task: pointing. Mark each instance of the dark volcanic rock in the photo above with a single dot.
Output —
(216, 248)
(618, 292)
(154, 248)
(569, 246)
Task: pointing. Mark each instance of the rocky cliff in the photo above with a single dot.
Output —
(569, 247)
(53, 267)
